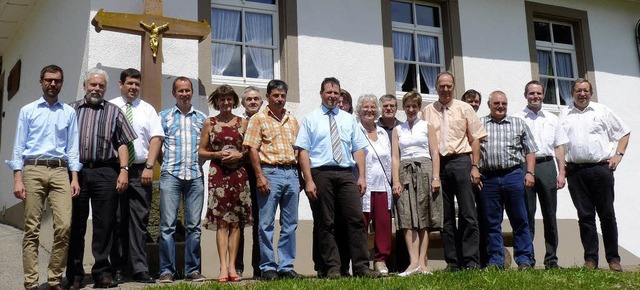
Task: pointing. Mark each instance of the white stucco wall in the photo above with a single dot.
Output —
(496, 56)
(342, 39)
(54, 34)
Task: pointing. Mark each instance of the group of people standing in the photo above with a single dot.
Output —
(354, 171)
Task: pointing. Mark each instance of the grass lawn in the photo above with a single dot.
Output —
(573, 278)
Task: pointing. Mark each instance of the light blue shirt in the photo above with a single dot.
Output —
(181, 140)
(46, 132)
(315, 137)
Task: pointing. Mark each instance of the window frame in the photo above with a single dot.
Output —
(287, 40)
(243, 7)
(415, 30)
(553, 48)
(451, 48)
(578, 20)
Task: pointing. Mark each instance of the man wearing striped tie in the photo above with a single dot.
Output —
(130, 232)
(331, 145)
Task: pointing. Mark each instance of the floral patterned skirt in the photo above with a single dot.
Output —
(229, 197)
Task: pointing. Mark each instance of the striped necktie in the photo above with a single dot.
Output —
(335, 138)
(132, 150)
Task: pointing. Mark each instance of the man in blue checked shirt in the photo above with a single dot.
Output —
(181, 176)
(45, 150)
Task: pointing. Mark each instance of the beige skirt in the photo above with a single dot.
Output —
(417, 207)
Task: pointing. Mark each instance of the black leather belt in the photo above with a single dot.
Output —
(280, 166)
(544, 159)
(46, 162)
(585, 165)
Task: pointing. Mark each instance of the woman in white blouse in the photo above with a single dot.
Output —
(376, 202)
(415, 183)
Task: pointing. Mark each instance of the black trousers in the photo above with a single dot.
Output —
(255, 248)
(547, 192)
(98, 187)
(130, 234)
(591, 188)
(338, 202)
(461, 239)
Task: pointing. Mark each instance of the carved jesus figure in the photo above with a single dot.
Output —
(153, 37)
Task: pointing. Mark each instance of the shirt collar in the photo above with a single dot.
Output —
(325, 110)
(177, 110)
(43, 101)
(528, 112)
(506, 119)
(439, 106)
(588, 107)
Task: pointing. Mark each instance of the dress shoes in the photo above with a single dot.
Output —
(615, 266)
(57, 287)
(143, 277)
(368, 273)
(105, 282)
(269, 275)
(289, 274)
(118, 278)
(592, 265)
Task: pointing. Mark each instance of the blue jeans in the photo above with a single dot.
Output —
(285, 188)
(506, 187)
(192, 191)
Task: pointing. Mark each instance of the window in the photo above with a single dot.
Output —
(418, 45)
(560, 50)
(244, 41)
(556, 52)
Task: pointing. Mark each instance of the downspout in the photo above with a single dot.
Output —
(638, 38)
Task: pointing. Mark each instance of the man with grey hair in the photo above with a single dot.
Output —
(252, 102)
(389, 107)
(508, 147)
(104, 134)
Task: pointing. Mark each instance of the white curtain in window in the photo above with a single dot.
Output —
(259, 31)
(402, 50)
(428, 52)
(544, 60)
(225, 26)
(565, 69)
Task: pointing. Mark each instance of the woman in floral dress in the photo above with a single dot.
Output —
(229, 208)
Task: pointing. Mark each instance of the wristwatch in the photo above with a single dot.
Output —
(126, 168)
(619, 153)
(532, 174)
(148, 166)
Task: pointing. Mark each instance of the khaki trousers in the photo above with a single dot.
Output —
(41, 182)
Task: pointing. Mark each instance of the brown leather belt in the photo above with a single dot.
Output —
(46, 162)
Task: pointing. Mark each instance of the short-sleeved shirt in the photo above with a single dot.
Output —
(593, 133)
(273, 138)
(46, 132)
(464, 125)
(103, 128)
(146, 123)
(546, 131)
(507, 144)
(315, 137)
(181, 141)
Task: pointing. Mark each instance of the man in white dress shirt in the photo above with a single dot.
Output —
(598, 140)
(550, 138)
(130, 234)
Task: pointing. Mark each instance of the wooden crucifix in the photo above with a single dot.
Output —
(153, 26)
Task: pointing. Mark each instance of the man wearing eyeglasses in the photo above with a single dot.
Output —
(44, 152)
